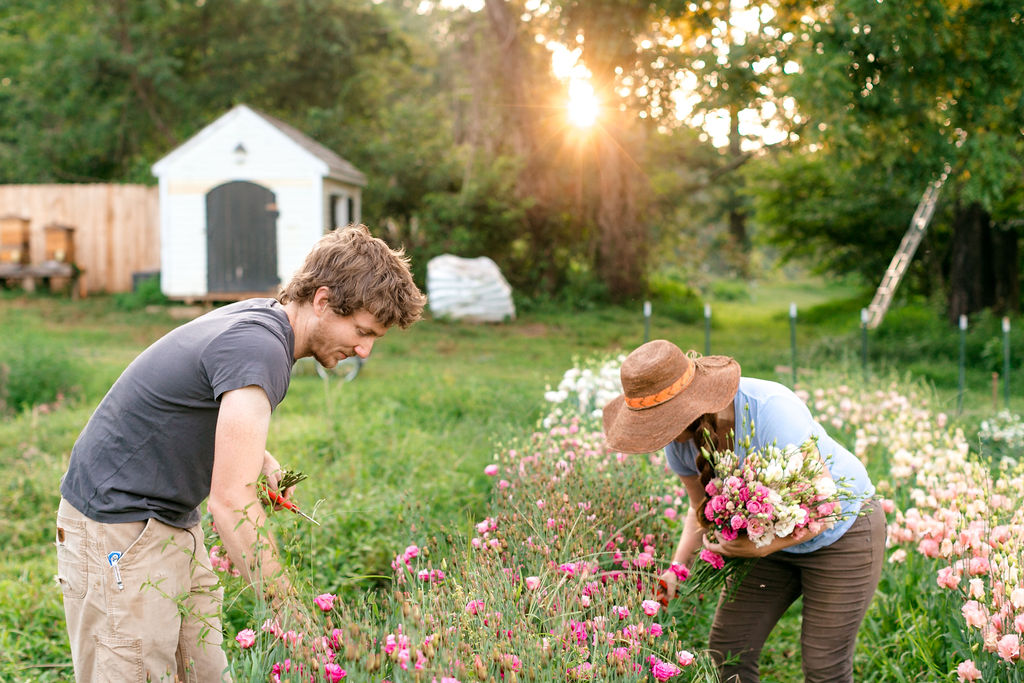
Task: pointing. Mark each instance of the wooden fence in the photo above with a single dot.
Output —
(117, 228)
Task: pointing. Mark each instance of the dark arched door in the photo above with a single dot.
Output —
(241, 238)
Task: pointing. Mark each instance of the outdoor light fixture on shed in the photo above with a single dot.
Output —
(240, 153)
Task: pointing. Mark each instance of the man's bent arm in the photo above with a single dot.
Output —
(239, 452)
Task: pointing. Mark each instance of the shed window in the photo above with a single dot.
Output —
(341, 211)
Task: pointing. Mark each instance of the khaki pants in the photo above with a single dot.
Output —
(162, 623)
(837, 583)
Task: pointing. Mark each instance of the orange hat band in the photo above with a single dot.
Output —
(672, 390)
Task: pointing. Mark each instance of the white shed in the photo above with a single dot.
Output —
(241, 203)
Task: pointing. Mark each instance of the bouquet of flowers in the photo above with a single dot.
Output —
(774, 493)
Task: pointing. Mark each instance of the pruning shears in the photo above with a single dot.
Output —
(278, 499)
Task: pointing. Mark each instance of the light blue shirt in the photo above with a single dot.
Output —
(780, 417)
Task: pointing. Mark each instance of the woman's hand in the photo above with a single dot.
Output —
(740, 547)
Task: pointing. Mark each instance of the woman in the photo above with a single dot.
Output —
(682, 404)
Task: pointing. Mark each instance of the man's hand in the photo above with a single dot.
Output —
(272, 471)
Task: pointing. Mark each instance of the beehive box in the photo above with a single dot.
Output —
(59, 243)
(14, 240)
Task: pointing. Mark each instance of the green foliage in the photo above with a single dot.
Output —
(147, 293)
(674, 298)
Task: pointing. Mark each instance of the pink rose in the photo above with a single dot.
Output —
(737, 522)
(650, 607)
(246, 638)
(325, 601)
(684, 657)
(334, 672)
(491, 470)
(967, 671)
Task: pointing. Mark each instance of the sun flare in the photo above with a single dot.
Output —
(583, 107)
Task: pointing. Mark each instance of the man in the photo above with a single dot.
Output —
(187, 420)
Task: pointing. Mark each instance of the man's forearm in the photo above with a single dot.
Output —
(249, 545)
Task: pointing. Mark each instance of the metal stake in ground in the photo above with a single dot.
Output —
(707, 329)
(647, 321)
(1006, 361)
(864, 341)
(963, 347)
(792, 336)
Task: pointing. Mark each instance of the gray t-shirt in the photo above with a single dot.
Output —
(147, 450)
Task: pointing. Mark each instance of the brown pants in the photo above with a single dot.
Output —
(161, 623)
(837, 583)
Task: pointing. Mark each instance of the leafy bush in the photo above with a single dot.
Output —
(674, 298)
(730, 290)
(147, 293)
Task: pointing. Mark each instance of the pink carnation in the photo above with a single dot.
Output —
(650, 607)
(532, 582)
(663, 670)
(334, 672)
(684, 657)
(712, 558)
(491, 470)
(246, 638)
(325, 601)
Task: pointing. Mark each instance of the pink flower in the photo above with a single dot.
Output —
(655, 630)
(474, 606)
(650, 607)
(411, 552)
(334, 672)
(967, 671)
(491, 470)
(974, 614)
(511, 662)
(681, 571)
(1008, 647)
(503, 484)
(532, 582)
(1018, 623)
(246, 638)
(643, 559)
(712, 558)
(671, 513)
(325, 601)
(978, 566)
(620, 612)
(663, 670)
(684, 657)
(947, 578)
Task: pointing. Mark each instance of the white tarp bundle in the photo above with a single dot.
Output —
(468, 289)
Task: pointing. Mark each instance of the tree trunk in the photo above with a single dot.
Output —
(984, 265)
(622, 237)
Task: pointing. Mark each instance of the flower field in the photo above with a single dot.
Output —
(555, 584)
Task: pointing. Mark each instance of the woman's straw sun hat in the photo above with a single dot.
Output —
(665, 390)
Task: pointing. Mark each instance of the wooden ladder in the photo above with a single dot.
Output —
(901, 261)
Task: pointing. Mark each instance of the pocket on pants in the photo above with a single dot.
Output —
(118, 659)
(72, 563)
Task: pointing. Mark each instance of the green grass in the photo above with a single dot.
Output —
(400, 451)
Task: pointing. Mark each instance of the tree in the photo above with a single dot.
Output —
(895, 91)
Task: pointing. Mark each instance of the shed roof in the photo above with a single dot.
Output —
(338, 168)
